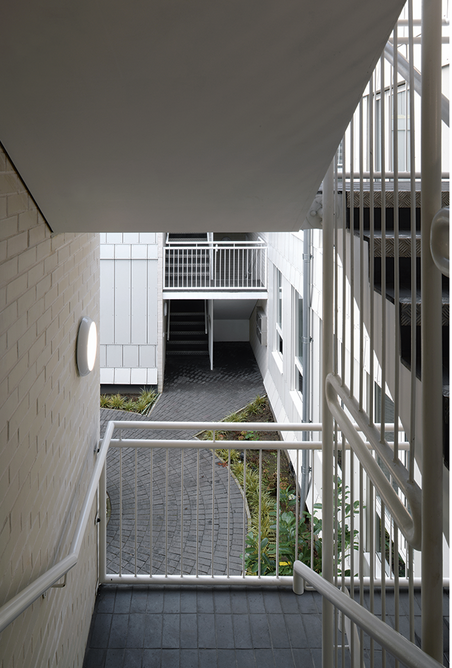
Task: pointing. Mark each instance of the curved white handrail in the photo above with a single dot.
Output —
(14, 607)
(409, 524)
(410, 655)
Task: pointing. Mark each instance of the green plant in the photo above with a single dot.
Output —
(116, 401)
(308, 528)
(248, 436)
(140, 405)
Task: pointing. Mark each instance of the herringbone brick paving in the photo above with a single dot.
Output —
(212, 539)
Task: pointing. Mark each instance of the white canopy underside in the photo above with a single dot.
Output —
(176, 116)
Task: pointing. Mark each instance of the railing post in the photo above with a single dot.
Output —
(432, 422)
(102, 536)
(327, 418)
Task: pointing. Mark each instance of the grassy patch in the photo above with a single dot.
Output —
(141, 404)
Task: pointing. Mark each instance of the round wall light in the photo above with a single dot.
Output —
(86, 346)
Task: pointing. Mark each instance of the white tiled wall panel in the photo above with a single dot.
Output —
(49, 427)
(128, 332)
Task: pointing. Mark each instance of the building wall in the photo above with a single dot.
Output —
(129, 300)
(49, 427)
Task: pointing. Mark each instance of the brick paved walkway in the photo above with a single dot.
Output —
(204, 517)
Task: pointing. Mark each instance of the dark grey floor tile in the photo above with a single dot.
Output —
(242, 631)
(302, 658)
(284, 658)
(170, 658)
(316, 655)
(189, 658)
(222, 600)
(272, 602)
(152, 658)
(309, 603)
(189, 631)
(245, 658)
(265, 658)
(153, 631)
(122, 600)
(288, 600)
(224, 631)
(313, 627)
(226, 658)
(207, 658)
(171, 600)
(205, 601)
(133, 658)
(295, 631)
(260, 633)
(137, 629)
(119, 630)
(105, 601)
(278, 632)
(171, 631)
(255, 602)
(100, 631)
(94, 658)
(139, 600)
(206, 632)
(115, 658)
(188, 601)
(239, 601)
(155, 600)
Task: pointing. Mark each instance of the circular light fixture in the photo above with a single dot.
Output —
(86, 346)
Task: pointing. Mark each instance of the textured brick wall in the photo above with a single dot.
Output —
(49, 426)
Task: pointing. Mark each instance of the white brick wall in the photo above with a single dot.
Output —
(48, 429)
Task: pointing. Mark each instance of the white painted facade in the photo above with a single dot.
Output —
(129, 299)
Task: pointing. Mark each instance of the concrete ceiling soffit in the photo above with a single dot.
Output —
(172, 116)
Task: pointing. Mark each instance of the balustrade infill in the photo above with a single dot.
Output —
(215, 265)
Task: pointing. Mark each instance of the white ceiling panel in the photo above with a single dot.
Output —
(173, 116)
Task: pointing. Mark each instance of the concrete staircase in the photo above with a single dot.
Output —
(187, 328)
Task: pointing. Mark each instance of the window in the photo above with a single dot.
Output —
(298, 357)
(278, 301)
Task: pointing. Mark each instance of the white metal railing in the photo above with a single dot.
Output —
(377, 265)
(215, 265)
(138, 479)
(13, 608)
(392, 641)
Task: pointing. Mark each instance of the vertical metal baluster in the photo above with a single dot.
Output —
(371, 516)
(259, 535)
(197, 513)
(136, 508)
(151, 509)
(297, 505)
(229, 512)
(396, 247)
(361, 256)
(383, 572)
(120, 506)
(213, 507)
(244, 530)
(182, 511)
(361, 552)
(383, 253)
(352, 255)
(166, 511)
(413, 245)
(278, 506)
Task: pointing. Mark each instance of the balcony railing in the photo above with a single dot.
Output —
(215, 265)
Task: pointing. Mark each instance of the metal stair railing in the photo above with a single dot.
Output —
(401, 648)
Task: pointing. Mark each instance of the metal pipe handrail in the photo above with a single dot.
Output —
(401, 648)
(15, 606)
(409, 523)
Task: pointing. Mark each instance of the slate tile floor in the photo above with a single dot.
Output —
(222, 627)
(225, 627)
